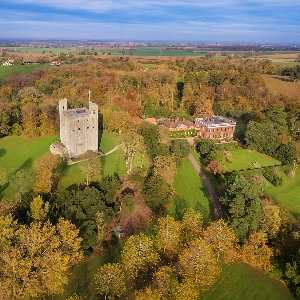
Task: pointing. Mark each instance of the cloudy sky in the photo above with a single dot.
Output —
(257, 21)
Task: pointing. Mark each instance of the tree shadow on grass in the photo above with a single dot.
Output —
(2, 152)
(207, 215)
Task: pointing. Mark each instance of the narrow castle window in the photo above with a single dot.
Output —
(78, 128)
(88, 128)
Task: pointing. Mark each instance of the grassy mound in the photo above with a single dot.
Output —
(240, 281)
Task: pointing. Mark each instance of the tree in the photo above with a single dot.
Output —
(43, 171)
(101, 226)
(156, 193)
(138, 255)
(256, 252)
(3, 176)
(91, 166)
(215, 167)
(180, 149)
(222, 240)
(163, 286)
(82, 209)
(35, 259)
(277, 116)
(150, 135)
(39, 209)
(198, 264)
(110, 184)
(110, 281)
(270, 219)
(192, 226)
(22, 181)
(132, 144)
(244, 205)
(165, 167)
(168, 236)
(263, 137)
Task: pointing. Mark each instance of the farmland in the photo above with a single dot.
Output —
(282, 85)
(6, 70)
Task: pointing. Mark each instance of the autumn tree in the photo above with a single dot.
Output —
(43, 170)
(132, 144)
(110, 281)
(164, 286)
(138, 255)
(39, 209)
(256, 252)
(222, 240)
(192, 226)
(270, 219)
(198, 265)
(91, 166)
(35, 259)
(165, 167)
(168, 236)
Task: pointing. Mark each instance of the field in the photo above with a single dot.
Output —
(282, 85)
(240, 281)
(242, 159)
(287, 195)
(6, 70)
(189, 186)
(36, 50)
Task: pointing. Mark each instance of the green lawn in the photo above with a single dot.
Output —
(189, 186)
(240, 281)
(242, 159)
(111, 163)
(287, 195)
(6, 70)
(17, 153)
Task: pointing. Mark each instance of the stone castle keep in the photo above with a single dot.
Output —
(78, 130)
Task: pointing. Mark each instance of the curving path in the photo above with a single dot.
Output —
(215, 200)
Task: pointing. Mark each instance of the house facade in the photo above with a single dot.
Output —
(215, 127)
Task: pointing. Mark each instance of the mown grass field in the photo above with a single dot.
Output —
(6, 70)
(281, 85)
(189, 187)
(17, 153)
(287, 195)
(242, 159)
(240, 281)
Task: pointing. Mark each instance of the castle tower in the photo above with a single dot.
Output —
(78, 128)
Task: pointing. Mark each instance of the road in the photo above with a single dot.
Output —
(215, 200)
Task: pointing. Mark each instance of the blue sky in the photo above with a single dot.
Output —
(160, 20)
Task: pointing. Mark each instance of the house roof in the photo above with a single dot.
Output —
(172, 124)
(151, 120)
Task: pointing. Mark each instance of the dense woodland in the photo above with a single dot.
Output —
(49, 230)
